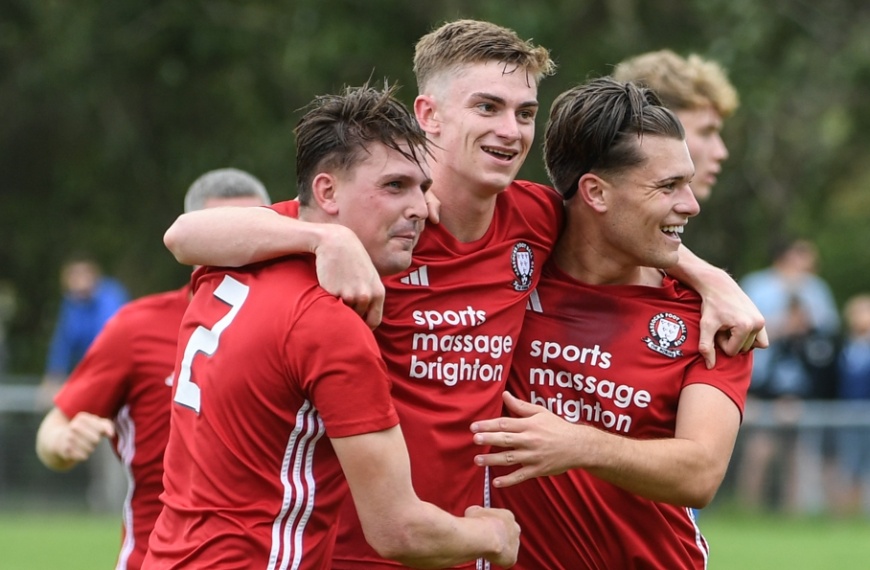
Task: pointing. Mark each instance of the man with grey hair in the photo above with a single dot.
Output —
(225, 187)
(122, 387)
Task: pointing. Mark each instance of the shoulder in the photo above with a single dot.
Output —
(156, 303)
(525, 191)
(145, 312)
(535, 208)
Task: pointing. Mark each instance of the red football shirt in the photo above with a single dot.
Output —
(449, 331)
(268, 364)
(617, 358)
(126, 375)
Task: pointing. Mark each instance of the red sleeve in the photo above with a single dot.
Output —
(731, 375)
(289, 208)
(335, 354)
(99, 383)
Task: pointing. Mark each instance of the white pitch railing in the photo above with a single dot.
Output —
(807, 420)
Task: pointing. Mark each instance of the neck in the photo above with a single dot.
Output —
(589, 260)
(466, 211)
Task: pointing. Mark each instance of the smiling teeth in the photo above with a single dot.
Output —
(499, 152)
(673, 229)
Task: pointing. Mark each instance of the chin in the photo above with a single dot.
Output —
(393, 265)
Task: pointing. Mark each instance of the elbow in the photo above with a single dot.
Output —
(396, 544)
(699, 500)
(702, 490)
(405, 545)
(172, 239)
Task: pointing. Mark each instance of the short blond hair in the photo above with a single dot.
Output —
(681, 83)
(464, 42)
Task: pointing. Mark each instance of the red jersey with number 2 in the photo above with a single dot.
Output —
(269, 367)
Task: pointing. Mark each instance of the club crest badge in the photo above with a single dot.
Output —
(667, 332)
(523, 263)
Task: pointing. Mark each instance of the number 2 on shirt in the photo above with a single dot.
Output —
(205, 340)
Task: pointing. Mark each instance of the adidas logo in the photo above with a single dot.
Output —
(534, 302)
(417, 277)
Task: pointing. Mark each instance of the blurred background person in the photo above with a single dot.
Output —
(698, 91)
(853, 444)
(8, 303)
(803, 325)
(122, 388)
(89, 300)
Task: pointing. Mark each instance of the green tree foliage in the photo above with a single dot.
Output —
(108, 110)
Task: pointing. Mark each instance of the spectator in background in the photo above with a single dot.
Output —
(853, 444)
(803, 326)
(699, 93)
(89, 300)
(122, 387)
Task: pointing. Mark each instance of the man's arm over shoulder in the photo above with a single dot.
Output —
(237, 236)
(729, 318)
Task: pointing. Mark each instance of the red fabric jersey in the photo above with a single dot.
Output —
(449, 331)
(268, 364)
(617, 358)
(126, 375)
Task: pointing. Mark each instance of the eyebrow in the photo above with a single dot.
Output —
(405, 179)
(678, 178)
(502, 101)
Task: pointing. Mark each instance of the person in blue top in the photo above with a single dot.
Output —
(853, 443)
(803, 324)
(89, 300)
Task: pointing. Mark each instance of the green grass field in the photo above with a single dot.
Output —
(744, 542)
(41, 541)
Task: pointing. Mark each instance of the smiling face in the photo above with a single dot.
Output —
(481, 119)
(647, 207)
(703, 126)
(381, 198)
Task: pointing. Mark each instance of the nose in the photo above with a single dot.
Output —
(687, 204)
(509, 127)
(720, 151)
(417, 208)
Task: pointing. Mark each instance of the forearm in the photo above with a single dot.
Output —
(433, 538)
(399, 526)
(696, 273)
(675, 471)
(236, 236)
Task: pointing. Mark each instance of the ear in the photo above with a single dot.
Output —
(323, 191)
(425, 109)
(593, 190)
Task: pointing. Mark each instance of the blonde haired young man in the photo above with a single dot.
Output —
(698, 91)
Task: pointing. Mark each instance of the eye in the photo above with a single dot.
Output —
(671, 186)
(486, 107)
(527, 115)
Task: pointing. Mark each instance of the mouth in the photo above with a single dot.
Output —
(505, 155)
(409, 236)
(673, 231)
